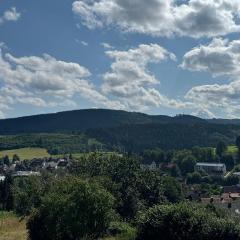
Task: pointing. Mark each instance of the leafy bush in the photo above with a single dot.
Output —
(122, 230)
(73, 209)
(185, 221)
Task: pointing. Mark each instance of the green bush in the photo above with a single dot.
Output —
(185, 221)
(73, 209)
(122, 231)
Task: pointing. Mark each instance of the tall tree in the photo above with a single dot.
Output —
(16, 158)
(221, 148)
(6, 160)
(238, 146)
(238, 142)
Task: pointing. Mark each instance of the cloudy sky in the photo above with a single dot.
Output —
(155, 56)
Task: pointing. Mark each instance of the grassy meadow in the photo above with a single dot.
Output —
(232, 149)
(11, 227)
(26, 153)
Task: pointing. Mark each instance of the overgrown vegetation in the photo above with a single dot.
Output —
(111, 196)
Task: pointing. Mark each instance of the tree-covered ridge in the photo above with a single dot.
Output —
(55, 143)
(126, 138)
(166, 136)
(81, 120)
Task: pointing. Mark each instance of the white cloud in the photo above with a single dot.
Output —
(195, 18)
(107, 45)
(85, 44)
(3, 45)
(203, 113)
(224, 98)
(130, 80)
(10, 15)
(220, 57)
(45, 82)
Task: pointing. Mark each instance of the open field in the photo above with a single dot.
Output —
(79, 155)
(11, 228)
(26, 153)
(232, 149)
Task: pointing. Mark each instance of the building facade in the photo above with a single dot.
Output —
(213, 169)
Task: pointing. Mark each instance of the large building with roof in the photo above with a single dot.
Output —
(213, 169)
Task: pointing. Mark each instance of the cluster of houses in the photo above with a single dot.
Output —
(32, 167)
(212, 169)
(229, 199)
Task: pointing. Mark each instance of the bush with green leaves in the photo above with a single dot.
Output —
(72, 209)
(186, 221)
(122, 231)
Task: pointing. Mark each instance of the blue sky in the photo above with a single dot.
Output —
(156, 56)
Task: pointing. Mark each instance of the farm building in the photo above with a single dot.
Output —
(214, 169)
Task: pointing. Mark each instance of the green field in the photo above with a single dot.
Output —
(232, 149)
(26, 153)
(11, 228)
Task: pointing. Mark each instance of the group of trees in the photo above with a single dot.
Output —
(55, 143)
(85, 202)
(102, 195)
(7, 161)
(186, 221)
(73, 209)
(166, 136)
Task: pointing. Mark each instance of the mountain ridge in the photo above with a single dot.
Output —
(81, 120)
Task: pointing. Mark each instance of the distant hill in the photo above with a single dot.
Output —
(80, 120)
(224, 121)
(118, 130)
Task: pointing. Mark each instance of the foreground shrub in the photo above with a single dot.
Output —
(184, 222)
(73, 209)
(122, 231)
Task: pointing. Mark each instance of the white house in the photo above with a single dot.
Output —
(152, 166)
(214, 169)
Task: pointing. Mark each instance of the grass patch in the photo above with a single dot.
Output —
(78, 156)
(26, 153)
(11, 228)
(232, 150)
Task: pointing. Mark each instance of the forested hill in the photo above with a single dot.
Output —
(121, 130)
(80, 120)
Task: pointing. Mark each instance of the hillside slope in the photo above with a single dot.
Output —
(80, 120)
(114, 130)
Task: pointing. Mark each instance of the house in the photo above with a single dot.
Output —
(231, 189)
(62, 163)
(213, 169)
(2, 178)
(36, 163)
(50, 165)
(152, 166)
(25, 174)
(236, 174)
(230, 201)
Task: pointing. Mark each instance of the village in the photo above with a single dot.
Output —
(229, 198)
(32, 167)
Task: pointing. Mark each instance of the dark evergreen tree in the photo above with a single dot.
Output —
(221, 148)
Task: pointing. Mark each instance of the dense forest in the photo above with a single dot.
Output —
(113, 131)
(81, 120)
